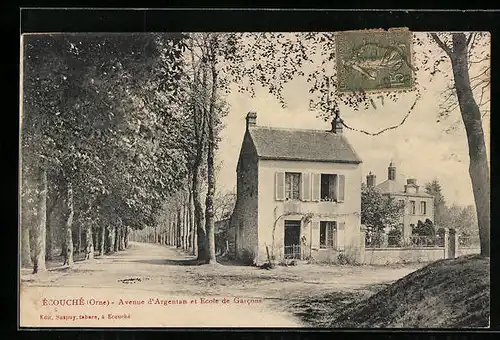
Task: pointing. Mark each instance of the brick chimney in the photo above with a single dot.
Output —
(251, 119)
(370, 180)
(337, 126)
(412, 181)
(391, 172)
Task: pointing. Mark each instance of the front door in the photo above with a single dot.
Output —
(292, 239)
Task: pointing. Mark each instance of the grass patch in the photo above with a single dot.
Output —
(445, 294)
(320, 310)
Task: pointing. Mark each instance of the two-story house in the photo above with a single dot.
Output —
(298, 194)
(418, 204)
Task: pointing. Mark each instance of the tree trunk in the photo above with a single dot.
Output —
(121, 245)
(183, 227)
(167, 233)
(48, 239)
(471, 116)
(192, 225)
(102, 244)
(68, 250)
(186, 226)
(25, 241)
(89, 242)
(179, 228)
(79, 244)
(171, 230)
(126, 238)
(202, 246)
(188, 222)
(110, 232)
(39, 230)
(50, 229)
(95, 238)
(209, 202)
(115, 238)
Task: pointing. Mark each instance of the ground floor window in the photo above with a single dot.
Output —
(328, 235)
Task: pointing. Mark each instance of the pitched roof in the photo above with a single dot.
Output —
(304, 145)
(397, 188)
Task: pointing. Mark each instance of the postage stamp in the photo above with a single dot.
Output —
(374, 60)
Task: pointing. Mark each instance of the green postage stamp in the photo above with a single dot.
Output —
(374, 60)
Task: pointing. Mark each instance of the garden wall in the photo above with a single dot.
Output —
(382, 256)
(409, 254)
(468, 250)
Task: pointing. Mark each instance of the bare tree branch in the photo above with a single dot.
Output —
(387, 128)
(479, 61)
(469, 38)
(442, 45)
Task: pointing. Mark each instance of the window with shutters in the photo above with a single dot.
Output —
(413, 208)
(328, 235)
(329, 187)
(423, 208)
(292, 185)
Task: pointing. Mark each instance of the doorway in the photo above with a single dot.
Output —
(292, 239)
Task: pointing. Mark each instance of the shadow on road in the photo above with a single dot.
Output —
(180, 262)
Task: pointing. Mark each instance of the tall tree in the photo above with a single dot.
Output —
(379, 211)
(434, 188)
(458, 52)
(39, 228)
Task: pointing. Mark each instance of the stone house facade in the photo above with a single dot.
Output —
(418, 204)
(298, 194)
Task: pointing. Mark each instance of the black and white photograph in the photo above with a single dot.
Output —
(255, 179)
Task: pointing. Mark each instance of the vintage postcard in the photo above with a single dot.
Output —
(329, 179)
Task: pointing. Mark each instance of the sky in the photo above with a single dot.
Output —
(420, 148)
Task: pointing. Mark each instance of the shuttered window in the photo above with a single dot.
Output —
(306, 187)
(333, 187)
(423, 208)
(315, 235)
(328, 234)
(412, 208)
(341, 186)
(292, 185)
(315, 184)
(341, 236)
(280, 186)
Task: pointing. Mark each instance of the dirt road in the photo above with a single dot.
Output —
(155, 286)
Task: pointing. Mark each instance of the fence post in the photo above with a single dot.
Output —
(362, 246)
(453, 244)
(446, 239)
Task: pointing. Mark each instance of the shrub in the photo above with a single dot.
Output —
(424, 228)
(395, 237)
(347, 257)
(375, 239)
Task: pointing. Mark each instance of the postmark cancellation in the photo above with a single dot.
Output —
(374, 60)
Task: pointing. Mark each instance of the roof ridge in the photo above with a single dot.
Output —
(292, 129)
(303, 144)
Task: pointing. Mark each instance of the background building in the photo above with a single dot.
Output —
(419, 205)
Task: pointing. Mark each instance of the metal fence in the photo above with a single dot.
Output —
(292, 251)
(414, 241)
